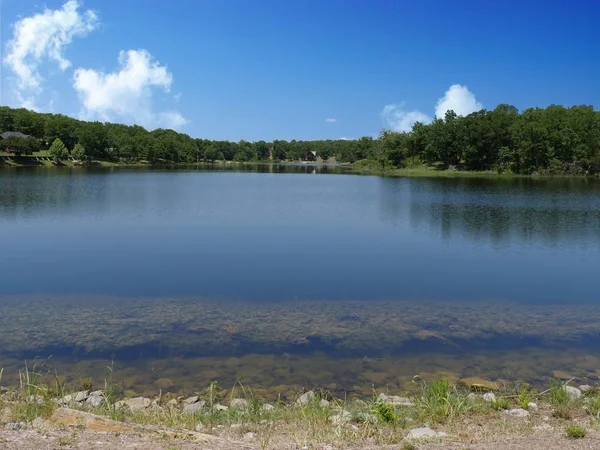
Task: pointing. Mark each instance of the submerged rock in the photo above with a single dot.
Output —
(572, 392)
(424, 433)
(479, 384)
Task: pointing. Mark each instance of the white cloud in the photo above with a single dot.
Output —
(396, 118)
(344, 138)
(330, 120)
(459, 99)
(127, 92)
(43, 36)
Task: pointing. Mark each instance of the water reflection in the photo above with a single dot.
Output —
(555, 212)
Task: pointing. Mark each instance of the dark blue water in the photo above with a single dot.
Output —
(286, 236)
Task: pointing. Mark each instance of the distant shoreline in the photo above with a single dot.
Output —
(352, 169)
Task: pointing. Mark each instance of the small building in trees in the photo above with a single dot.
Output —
(310, 156)
(14, 142)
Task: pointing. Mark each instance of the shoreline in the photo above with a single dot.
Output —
(436, 413)
(349, 168)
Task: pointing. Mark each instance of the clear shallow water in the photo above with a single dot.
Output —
(290, 236)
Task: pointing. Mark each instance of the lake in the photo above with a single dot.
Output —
(284, 277)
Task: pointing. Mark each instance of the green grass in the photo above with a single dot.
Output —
(576, 432)
(558, 394)
(525, 397)
(441, 402)
(500, 404)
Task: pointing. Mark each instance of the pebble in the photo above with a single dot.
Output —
(585, 388)
(424, 432)
(489, 397)
(268, 407)
(95, 401)
(219, 407)
(532, 406)
(573, 392)
(341, 418)
(81, 396)
(37, 423)
(248, 436)
(367, 418)
(305, 398)
(323, 403)
(190, 400)
(192, 408)
(239, 403)
(401, 401)
(137, 403)
(517, 412)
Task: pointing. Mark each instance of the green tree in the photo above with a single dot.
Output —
(19, 145)
(58, 150)
(78, 152)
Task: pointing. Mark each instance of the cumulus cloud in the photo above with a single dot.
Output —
(330, 120)
(41, 37)
(459, 99)
(127, 92)
(396, 118)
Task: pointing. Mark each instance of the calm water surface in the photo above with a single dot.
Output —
(343, 260)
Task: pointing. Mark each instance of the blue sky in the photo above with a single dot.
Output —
(258, 69)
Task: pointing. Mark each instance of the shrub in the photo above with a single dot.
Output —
(384, 412)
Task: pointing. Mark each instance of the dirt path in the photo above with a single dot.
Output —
(87, 440)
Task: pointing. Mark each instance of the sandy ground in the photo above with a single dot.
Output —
(87, 440)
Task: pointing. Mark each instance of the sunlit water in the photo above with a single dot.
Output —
(297, 276)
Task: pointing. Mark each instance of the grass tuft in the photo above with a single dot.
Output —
(440, 402)
(558, 394)
(576, 432)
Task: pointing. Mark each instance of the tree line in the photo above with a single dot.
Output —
(537, 140)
